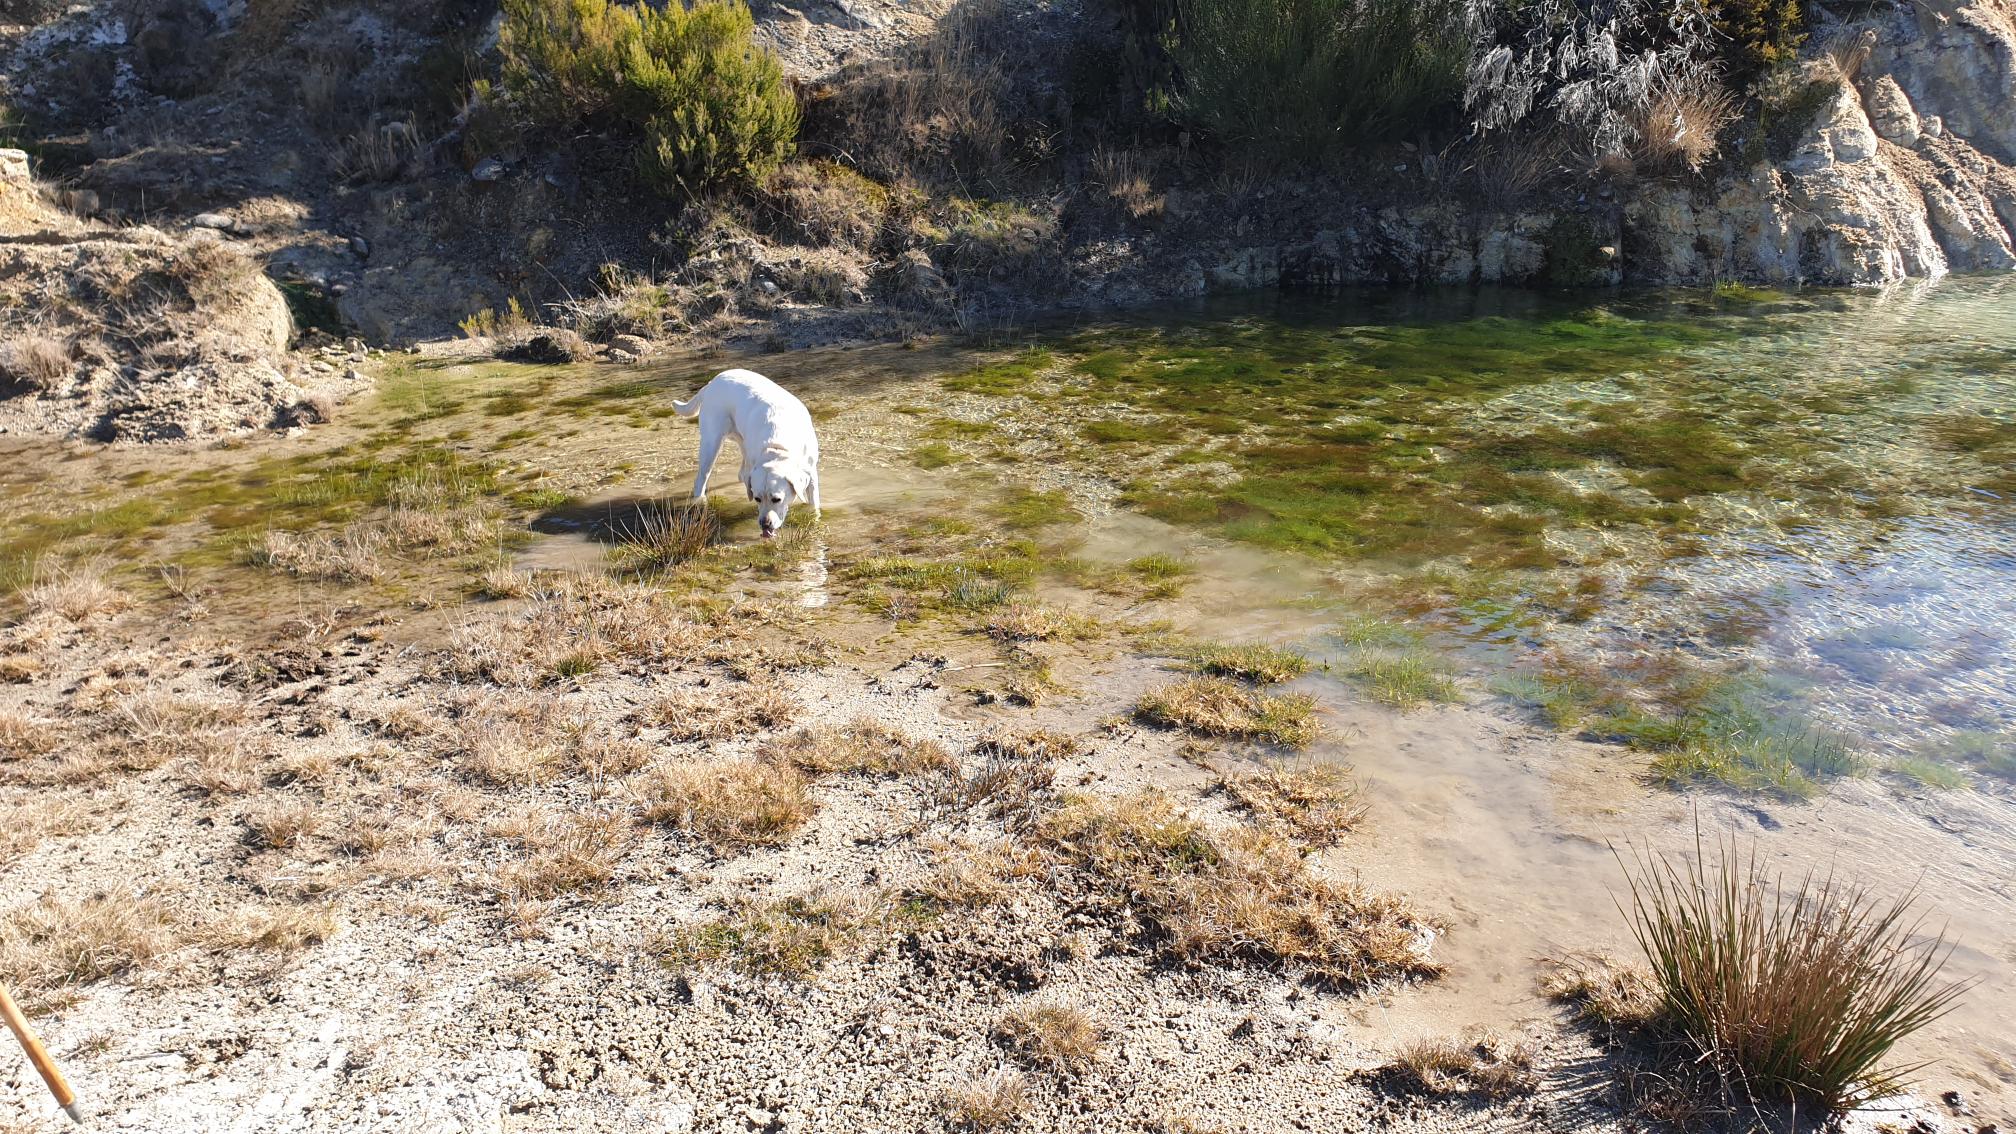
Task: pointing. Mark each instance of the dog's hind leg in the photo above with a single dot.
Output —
(711, 437)
(815, 492)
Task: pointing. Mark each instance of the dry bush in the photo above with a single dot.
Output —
(1317, 803)
(745, 803)
(1052, 1036)
(59, 943)
(930, 111)
(1126, 176)
(1238, 896)
(1680, 121)
(1021, 621)
(282, 824)
(34, 362)
(861, 746)
(1216, 706)
(1483, 1063)
(77, 594)
(714, 714)
(996, 1101)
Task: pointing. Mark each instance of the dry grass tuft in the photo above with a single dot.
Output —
(745, 803)
(1217, 706)
(1052, 1036)
(283, 824)
(23, 736)
(503, 581)
(1680, 122)
(574, 854)
(967, 876)
(1014, 776)
(861, 746)
(715, 714)
(1021, 621)
(60, 943)
(1481, 1063)
(25, 824)
(1602, 990)
(1794, 991)
(356, 555)
(1317, 803)
(35, 362)
(1126, 176)
(988, 1104)
(1238, 896)
(664, 538)
(281, 929)
(513, 744)
(77, 594)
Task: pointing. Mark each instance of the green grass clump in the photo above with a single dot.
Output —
(1930, 773)
(1992, 752)
(1011, 376)
(1791, 990)
(1741, 732)
(933, 455)
(1026, 509)
(1124, 432)
(792, 938)
(1304, 79)
(1403, 678)
(1256, 662)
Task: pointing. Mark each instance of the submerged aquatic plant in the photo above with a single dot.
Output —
(1796, 991)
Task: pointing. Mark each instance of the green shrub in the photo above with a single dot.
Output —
(1302, 78)
(710, 105)
(1757, 35)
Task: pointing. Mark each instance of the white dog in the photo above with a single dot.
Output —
(780, 452)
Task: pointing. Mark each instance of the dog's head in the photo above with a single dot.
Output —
(775, 486)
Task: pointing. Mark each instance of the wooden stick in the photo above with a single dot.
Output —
(39, 1056)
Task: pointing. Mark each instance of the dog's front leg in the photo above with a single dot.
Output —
(711, 436)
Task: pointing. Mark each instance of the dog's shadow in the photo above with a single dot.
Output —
(631, 519)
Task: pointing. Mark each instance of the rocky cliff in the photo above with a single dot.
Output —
(1900, 168)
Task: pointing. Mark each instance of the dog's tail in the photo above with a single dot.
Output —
(688, 408)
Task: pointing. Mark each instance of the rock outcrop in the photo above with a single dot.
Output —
(1902, 167)
(132, 334)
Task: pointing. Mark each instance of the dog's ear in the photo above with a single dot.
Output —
(749, 486)
(800, 477)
